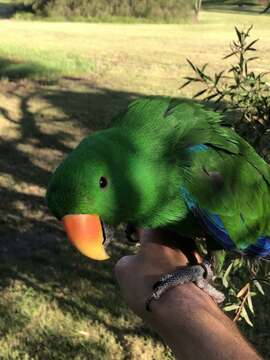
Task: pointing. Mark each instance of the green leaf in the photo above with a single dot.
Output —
(191, 64)
(231, 307)
(238, 263)
(239, 35)
(192, 79)
(249, 29)
(258, 286)
(252, 58)
(226, 274)
(203, 75)
(229, 55)
(250, 304)
(242, 291)
(245, 316)
(220, 98)
(200, 93)
(246, 68)
(234, 69)
(204, 66)
(185, 84)
(217, 77)
(211, 96)
(251, 44)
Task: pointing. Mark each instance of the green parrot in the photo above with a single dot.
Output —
(170, 164)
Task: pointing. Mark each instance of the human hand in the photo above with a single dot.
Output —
(186, 317)
(136, 274)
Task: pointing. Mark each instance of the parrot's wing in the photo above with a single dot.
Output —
(229, 193)
(227, 185)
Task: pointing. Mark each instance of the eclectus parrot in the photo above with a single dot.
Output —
(170, 164)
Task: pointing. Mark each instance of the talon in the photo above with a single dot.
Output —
(148, 302)
(205, 274)
(157, 284)
(154, 296)
(208, 274)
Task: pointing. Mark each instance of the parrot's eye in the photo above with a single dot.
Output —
(103, 182)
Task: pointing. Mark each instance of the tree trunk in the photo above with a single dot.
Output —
(197, 7)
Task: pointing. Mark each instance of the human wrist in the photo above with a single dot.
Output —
(176, 308)
(183, 297)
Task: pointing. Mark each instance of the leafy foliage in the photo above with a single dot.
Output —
(245, 95)
(161, 9)
(242, 2)
(239, 3)
(254, 274)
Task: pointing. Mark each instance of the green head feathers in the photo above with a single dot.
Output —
(126, 173)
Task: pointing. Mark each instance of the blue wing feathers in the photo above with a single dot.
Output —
(215, 227)
(197, 148)
(261, 248)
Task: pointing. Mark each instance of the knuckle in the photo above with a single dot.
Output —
(122, 264)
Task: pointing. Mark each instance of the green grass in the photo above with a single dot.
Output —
(117, 52)
(54, 303)
(75, 320)
(26, 62)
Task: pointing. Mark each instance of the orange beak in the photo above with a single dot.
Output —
(86, 234)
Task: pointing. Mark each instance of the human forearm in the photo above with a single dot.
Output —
(186, 317)
(195, 328)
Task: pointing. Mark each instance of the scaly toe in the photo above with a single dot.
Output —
(200, 274)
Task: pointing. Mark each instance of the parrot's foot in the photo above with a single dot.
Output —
(200, 274)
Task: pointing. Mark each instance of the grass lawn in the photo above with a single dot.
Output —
(61, 81)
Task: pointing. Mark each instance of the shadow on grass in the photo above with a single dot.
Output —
(79, 288)
(20, 69)
(34, 250)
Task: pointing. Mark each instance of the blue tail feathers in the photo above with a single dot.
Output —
(215, 227)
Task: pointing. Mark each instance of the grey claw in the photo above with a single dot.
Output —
(148, 302)
(154, 296)
(200, 274)
(208, 273)
(157, 284)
